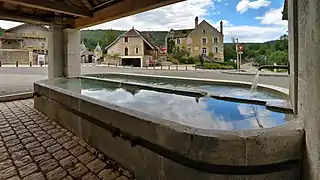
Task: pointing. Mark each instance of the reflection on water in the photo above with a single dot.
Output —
(238, 92)
(206, 113)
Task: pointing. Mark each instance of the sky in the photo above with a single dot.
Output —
(247, 20)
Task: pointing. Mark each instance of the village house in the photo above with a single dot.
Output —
(134, 48)
(203, 39)
(24, 43)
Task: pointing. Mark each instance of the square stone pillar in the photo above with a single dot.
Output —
(72, 52)
(307, 73)
(63, 52)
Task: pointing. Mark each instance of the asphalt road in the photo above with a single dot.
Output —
(15, 80)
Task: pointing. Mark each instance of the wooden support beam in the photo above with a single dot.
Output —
(87, 4)
(122, 9)
(26, 18)
(54, 6)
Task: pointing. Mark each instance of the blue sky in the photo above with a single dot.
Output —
(248, 20)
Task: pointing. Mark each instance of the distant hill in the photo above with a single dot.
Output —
(158, 37)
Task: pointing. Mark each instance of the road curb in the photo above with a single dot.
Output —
(252, 74)
(18, 96)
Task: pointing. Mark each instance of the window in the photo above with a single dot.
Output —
(137, 50)
(126, 39)
(215, 50)
(204, 50)
(204, 40)
(126, 51)
(215, 40)
(178, 41)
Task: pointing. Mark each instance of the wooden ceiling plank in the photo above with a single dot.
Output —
(19, 17)
(122, 9)
(87, 4)
(55, 6)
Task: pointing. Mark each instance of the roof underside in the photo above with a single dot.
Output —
(74, 13)
(285, 10)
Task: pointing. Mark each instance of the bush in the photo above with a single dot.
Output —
(215, 66)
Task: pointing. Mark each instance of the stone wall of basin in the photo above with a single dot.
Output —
(154, 148)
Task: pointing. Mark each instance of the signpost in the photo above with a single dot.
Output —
(240, 52)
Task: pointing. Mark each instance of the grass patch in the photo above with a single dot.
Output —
(216, 65)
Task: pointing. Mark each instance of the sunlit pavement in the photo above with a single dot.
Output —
(15, 80)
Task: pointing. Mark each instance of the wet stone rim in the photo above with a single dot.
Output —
(284, 140)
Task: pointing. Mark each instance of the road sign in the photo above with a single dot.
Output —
(240, 47)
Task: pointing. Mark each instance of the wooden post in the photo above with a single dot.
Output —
(30, 63)
(0, 64)
(161, 66)
(169, 67)
(186, 68)
(17, 63)
(176, 67)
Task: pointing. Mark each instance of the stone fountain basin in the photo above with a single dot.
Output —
(164, 144)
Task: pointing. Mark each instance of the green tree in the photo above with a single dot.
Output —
(279, 57)
(108, 37)
(230, 52)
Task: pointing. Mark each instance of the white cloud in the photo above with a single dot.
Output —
(244, 5)
(273, 17)
(180, 15)
(247, 33)
(8, 24)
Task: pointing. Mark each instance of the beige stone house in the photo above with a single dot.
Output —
(25, 41)
(134, 48)
(202, 39)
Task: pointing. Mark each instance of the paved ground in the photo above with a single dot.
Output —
(33, 147)
(14, 80)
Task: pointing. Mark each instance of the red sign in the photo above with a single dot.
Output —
(240, 47)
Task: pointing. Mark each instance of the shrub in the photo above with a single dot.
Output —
(215, 65)
(175, 61)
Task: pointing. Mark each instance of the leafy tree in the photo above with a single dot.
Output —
(279, 57)
(108, 37)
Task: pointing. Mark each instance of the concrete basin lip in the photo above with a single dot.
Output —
(225, 137)
(182, 128)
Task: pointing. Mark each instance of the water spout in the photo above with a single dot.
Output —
(255, 81)
(256, 78)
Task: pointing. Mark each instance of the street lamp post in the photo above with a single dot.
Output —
(236, 40)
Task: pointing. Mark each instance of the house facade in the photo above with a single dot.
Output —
(134, 48)
(203, 39)
(25, 38)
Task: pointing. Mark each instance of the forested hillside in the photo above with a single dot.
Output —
(275, 51)
(105, 37)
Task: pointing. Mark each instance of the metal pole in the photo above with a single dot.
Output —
(240, 62)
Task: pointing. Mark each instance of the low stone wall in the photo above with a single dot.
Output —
(11, 56)
(112, 60)
(158, 149)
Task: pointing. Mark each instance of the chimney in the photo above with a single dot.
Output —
(196, 21)
(221, 27)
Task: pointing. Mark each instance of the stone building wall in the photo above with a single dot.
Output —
(205, 30)
(132, 44)
(10, 56)
(112, 60)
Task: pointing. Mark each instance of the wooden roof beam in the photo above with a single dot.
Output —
(119, 10)
(22, 17)
(54, 6)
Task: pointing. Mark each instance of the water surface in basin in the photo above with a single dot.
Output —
(234, 91)
(203, 112)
